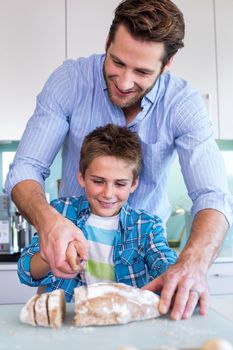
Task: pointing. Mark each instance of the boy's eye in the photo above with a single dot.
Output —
(120, 184)
(98, 181)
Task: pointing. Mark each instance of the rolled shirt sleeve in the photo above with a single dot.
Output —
(201, 161)
(159, 256)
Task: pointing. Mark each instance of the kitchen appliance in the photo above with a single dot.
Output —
(15, 231)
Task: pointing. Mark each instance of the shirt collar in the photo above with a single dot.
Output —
(85, 211)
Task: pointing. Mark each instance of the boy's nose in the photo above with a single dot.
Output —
(108, 191)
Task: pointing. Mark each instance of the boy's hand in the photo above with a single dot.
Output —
(73, 258)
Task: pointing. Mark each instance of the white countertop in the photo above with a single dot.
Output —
(148, 335)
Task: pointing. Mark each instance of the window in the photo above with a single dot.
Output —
(7, 158)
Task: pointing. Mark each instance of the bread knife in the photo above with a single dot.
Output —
(83, 275)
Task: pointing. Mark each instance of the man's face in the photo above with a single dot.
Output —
(131, 68)
(108, 182)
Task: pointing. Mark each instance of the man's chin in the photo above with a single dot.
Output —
(121, 103)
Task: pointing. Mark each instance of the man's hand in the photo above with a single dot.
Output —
(184, 285)
(182, 288)
(54, 246)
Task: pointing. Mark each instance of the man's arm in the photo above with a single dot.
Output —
(184, 284)
(55, 231)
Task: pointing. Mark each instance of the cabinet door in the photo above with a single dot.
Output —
(88, 23)
(224, 30)
(196, 62)
(12, 291)
(32, 36)
(220, 278)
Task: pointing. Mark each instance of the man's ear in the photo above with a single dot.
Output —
(167, 65)
(134, 185)
(81, 180)
(106, 43)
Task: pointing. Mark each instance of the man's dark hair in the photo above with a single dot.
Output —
(151, 20)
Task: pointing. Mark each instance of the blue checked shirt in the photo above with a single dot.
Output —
(141, 252)
(173, 119)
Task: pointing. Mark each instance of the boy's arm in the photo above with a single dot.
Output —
(159, 256)
(39, 268)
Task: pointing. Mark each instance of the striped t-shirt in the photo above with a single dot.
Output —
(101, 235)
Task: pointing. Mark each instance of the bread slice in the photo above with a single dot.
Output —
(27, 313)
(41, 310)
(46, 309)
(113, 303)
(56, 308)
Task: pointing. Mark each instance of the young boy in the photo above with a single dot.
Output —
(125, 245)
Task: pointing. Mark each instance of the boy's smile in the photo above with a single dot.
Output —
(108, 182)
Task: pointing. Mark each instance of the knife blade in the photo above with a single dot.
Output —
(83, 264)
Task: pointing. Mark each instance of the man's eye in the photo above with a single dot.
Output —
(117, 63)
(141, 72)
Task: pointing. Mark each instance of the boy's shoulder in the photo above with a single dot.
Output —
(70, 206)
(141, 216)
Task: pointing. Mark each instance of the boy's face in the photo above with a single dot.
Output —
(108, 182)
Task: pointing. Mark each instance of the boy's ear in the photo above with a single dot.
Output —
(134, 185)
(81, 180)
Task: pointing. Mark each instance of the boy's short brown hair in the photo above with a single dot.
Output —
(111, 140)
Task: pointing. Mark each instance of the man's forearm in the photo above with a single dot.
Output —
(206, 238)
(30, 200)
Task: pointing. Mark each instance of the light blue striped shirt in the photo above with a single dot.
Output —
(74, 101)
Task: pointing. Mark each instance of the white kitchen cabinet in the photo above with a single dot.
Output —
(196, 62)
(224, 31)
(32, 36)
(220, 278)
(12, 291)
(88, 23)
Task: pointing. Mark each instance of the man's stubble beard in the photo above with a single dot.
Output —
(135, 100)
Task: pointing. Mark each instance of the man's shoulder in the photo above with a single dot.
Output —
(174, 84)
(90, 62)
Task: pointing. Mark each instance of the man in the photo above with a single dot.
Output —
(129, 85)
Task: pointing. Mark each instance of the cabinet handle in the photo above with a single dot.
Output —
(221, 275)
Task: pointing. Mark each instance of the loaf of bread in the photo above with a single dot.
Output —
(113, 303)
(47, 310)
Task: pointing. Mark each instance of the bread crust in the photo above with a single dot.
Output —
(41, 310)
(27, 313)
(56, 308)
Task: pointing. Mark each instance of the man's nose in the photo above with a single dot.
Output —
(125, 81)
